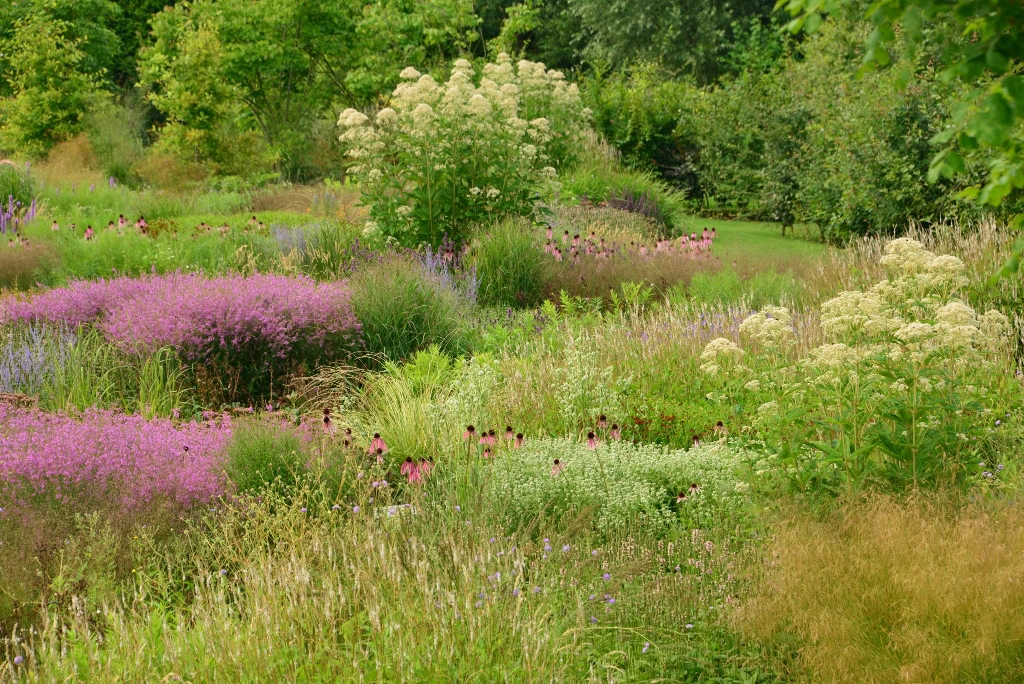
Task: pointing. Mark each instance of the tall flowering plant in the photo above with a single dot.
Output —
(905, 391)
(442, 157)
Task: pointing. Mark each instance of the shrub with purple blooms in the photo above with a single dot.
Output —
(244, 335)
(103, 456)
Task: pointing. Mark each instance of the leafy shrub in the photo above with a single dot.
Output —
(261, 455)
(909, 389)
(637, 112)
(445, 157)
(618, 483)
(509, 265)
(402, 309)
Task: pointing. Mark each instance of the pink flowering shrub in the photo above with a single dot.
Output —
(253, 331)
(108, 457)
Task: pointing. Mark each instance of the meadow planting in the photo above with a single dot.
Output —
(502, 404)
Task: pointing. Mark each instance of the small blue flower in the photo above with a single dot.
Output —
(647, 645)
(565, 549)
(606, 576)
(355, 509)
(536, 590)
(593, 620)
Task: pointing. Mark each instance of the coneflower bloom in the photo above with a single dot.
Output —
(508, 432)
(591, 440)
(550, 233)
(469, 433)
(487, 453)
(380, 456)
(565, 236)
(680, 497)
(556, 468)
(602, 421)
(408, 466)
(696, 440)
(519, 440)
(576, 240)
(694, 488)
(88, 232)
(492, 439)
(720, 429)
(327, 420)
(55, 226)
(426, 467)
(377, 444)
(615, 433)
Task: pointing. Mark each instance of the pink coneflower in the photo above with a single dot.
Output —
(696, 440)
(593, 236)
(327, 420)
(576, 240)
(426, 467)
(377, 444)
(548, 246)
(492, 438)
(680, 497)
(602, 421)
(714, 233)
(558, 254)
(88, 232)
(408, 467)
(704, 234)
(720, 429)
(54, 226)
(565, 236)
(694, 488)
(508, 432)
(469, 433)
(519, 440)
(487, 452)
(380, 456)
(591, 441)
(121, 221)
(347, 439)
(643, 250)
(615, 433)
(557, 468)
(550, 233)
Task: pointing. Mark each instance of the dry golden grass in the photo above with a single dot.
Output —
(887, 591)
(72, 161)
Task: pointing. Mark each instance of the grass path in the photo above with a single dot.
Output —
(757, 240)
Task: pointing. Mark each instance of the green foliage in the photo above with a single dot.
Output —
(50, 87)
(690, 36)
(403, 310)
(637, 111)
(115, 132)
(263, 455)
(236, 78)
(509, 265)
(17, 183)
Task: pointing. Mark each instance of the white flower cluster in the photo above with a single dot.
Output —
(721, 356)
(620, 483)
(771, 327)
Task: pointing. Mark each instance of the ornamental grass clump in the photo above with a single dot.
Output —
(443, 157)
(910, 387)
(254, 331)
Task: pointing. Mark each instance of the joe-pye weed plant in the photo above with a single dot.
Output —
(910, 388)
(443, 157)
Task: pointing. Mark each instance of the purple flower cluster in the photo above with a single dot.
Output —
(106, 454)
(199, 316)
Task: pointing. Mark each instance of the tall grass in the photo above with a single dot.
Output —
(267, 590)
(510, 266)
(886, 591)
(403, 311)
